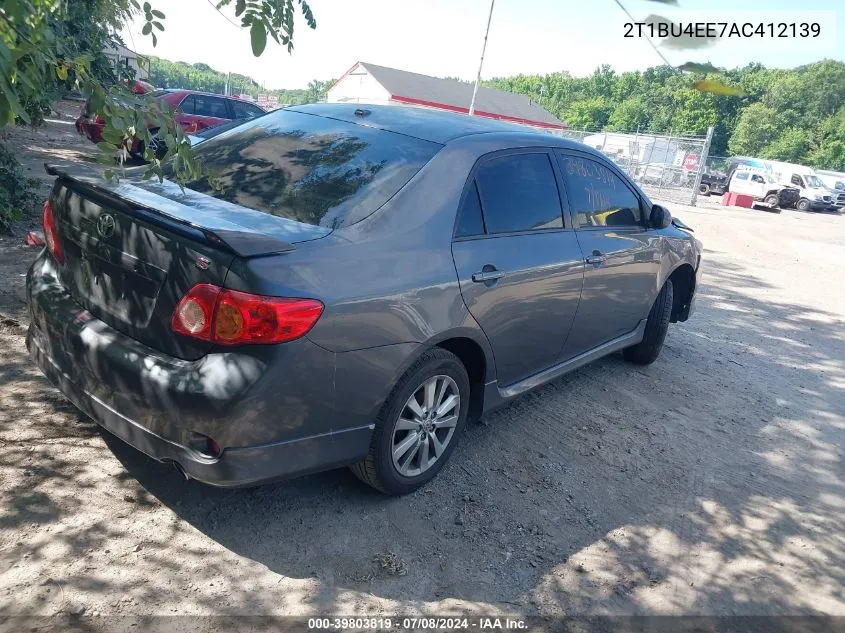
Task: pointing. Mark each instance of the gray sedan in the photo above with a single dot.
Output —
(348, 285)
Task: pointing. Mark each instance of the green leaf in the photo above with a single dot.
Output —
(106, 147)
(240, 7)
(695, 67)
(717, 87)
(111, 137)
(258, 37)
(147, 7)
(61, 72)
(158, 14)
(12, 99)
(158, 25)
(155, 40)
(147, 28)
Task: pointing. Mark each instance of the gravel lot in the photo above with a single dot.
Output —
(708, 483)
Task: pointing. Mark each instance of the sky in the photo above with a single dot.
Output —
(444, 37)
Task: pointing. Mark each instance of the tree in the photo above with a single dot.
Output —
(631, 114)
(829, 149)
(316, 91)
(758, 126)
(588, 114)
(36, 55)
(790, 146)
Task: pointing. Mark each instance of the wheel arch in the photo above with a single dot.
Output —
(472, 349)
(474, 360)
(683, 286)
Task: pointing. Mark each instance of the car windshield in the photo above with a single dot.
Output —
(309, 168)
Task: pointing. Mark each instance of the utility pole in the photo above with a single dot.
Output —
(481, 63)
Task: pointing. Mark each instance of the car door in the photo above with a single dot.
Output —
(741, 183)
(621, 255)
(757, 186)
(519, 264)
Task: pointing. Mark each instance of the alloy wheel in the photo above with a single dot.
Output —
(426, 425)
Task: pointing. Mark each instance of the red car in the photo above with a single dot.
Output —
(195, 111)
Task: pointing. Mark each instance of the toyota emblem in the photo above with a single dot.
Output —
(105, 225)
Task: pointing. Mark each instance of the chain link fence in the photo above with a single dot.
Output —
(665, 167)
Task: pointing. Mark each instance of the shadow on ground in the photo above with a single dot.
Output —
(709, 482)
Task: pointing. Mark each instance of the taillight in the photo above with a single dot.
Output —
(231, 317)
(51, 233)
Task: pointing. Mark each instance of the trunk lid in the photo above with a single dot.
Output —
(133, 249)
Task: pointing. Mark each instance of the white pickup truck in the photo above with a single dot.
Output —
(760, 185)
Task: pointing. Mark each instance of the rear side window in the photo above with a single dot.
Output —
(470, 221)
(597, 196)
(309, 168)
(204, 105)
(243, 110)
(187, 105)
(519, 193)
(743, 175)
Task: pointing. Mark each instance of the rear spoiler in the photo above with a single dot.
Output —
(169, 213)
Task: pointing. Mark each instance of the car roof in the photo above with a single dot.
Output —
(425, 123)
(187, 92)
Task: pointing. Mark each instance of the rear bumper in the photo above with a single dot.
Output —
(236, 467)
(158, 403)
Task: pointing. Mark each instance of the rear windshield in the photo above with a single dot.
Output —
(309, 168)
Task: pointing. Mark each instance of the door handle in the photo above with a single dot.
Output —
(487, 275)
(596, 259)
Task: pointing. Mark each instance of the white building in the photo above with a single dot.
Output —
(122, 56)
(368, 83)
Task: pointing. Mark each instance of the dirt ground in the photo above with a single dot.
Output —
(708, 483)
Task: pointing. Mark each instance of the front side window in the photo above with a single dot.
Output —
(309, 168)
(757, 178)
(519, 193)
(598, 196)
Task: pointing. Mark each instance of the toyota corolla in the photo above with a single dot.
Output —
(349, 287)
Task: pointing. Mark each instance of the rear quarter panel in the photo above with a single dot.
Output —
(386, 280)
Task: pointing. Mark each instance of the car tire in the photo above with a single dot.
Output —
(378, 468)
(772, 200)
(646, 351)
(803, 204)
(704, 189)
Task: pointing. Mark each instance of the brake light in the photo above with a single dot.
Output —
(51, 233)
(231, 317)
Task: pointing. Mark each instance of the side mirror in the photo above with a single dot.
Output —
(660, 217)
